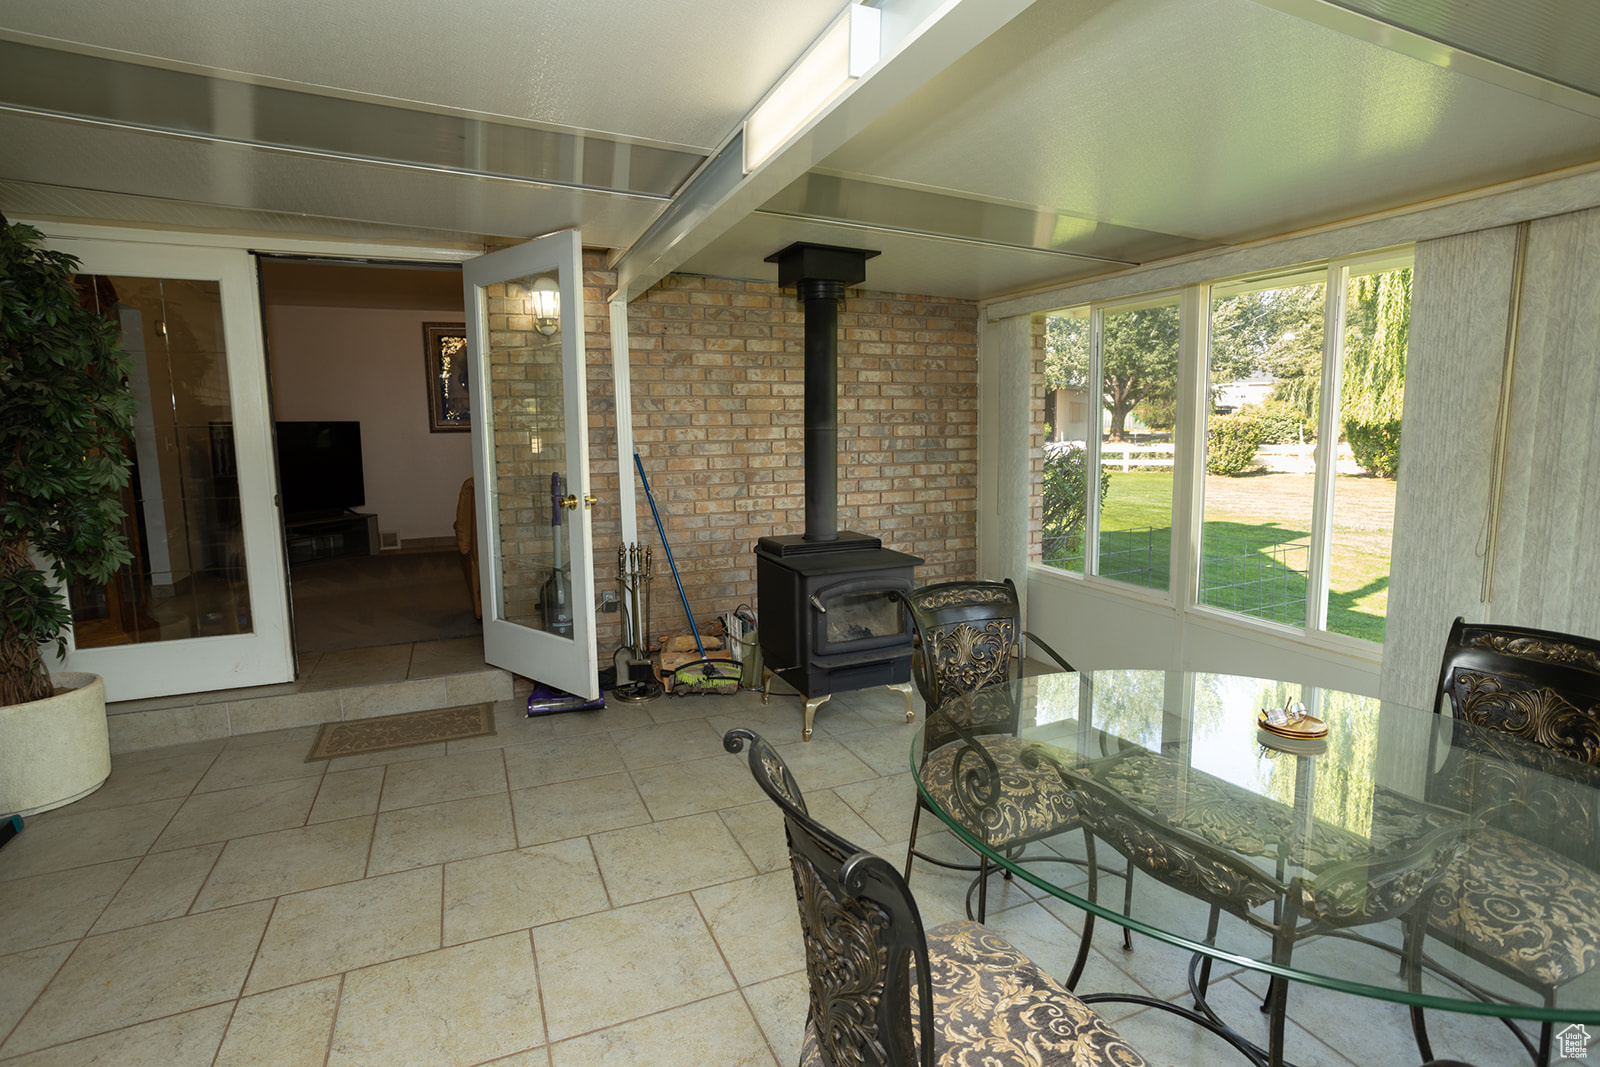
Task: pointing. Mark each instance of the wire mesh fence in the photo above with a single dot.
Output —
(1263, 577)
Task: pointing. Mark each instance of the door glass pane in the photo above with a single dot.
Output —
(1265, 371)
(1371, 391)
(182, 519)
(1139, 395)
(1065, 477)
(528, 428)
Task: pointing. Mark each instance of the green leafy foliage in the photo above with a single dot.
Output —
(1066, 490)
(1283, 423)
(65, 416)
(1231, 442)
(1276, 332)
(1375, 446)
(1139, 356)
(1158, 413)
(1374, 386)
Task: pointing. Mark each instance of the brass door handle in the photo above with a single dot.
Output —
(570, 501)
(588, 500)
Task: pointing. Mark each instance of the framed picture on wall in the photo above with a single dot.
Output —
(445, 346)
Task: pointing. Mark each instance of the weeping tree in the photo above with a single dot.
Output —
(1373, 376)
(65, 415)
(1373, 385)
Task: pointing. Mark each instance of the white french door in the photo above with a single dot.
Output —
(530, 459)
(204, 604)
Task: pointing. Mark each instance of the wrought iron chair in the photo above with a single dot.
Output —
(885, 992)
(1353, 893)
(1523, 899)
(967, 634)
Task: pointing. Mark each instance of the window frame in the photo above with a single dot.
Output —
(1189, 437)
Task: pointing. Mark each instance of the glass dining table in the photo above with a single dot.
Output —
(1167, 803)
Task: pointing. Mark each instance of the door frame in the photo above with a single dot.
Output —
(218, 665)
(263, 655)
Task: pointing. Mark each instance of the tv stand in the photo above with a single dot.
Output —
(333, 536)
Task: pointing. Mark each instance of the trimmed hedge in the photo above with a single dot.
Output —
(1283, 424)
(1231, 443)
(1376, 446)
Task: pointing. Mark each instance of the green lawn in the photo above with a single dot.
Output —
(1251, 563)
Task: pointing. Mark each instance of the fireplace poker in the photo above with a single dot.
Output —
(635, 612)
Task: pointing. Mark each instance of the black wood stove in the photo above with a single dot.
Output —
(830, 621)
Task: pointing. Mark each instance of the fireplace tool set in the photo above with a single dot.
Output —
(635, 680)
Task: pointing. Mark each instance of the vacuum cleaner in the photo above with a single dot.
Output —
(555, 598)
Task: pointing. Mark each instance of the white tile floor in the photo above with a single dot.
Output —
(603, 888)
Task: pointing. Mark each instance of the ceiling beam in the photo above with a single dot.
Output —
(920, 39)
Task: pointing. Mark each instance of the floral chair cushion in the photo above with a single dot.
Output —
(1527, 907)
(996, 1008)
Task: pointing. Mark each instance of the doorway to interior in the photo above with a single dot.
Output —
(372, 452)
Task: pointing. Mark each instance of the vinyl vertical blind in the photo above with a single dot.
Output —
(1546, 552)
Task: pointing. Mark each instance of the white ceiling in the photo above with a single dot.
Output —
(677, 71)
(989, 155)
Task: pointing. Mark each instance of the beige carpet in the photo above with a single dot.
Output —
(360, 736)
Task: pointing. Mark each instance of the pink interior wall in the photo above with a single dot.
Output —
(347, 363)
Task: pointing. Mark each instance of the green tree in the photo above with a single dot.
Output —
(1272, 331)
(1140, 358)
(1373, 382)
(1375, 337)
(1066, 501)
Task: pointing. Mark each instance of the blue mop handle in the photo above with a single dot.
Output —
(637, 462)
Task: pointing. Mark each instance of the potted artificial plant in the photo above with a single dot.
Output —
(65, 416)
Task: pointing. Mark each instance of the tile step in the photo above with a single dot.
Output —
(211, 715)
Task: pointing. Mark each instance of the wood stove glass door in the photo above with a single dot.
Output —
(530, 438)
(858, 615)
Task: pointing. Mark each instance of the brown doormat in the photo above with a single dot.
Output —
(360, 736)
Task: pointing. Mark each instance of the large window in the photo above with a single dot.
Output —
(1298, 381)
(1264, 370)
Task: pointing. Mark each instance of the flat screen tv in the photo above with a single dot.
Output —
(319, 468)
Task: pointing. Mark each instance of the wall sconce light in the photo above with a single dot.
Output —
(545, 302)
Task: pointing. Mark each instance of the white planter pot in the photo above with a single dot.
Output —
(56, 750)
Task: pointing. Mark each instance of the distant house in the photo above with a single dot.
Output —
(1236, 394)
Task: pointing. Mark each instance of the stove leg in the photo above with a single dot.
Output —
(905, 691)
(812, 704)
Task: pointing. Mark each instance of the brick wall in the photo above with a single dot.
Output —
(718, 416)
(525, 394)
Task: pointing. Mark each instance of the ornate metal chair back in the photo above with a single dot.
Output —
(1526, 705)
(1540, 686)
(967, 633)
(863, 935)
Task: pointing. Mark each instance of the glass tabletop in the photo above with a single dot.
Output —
(1310, 857)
